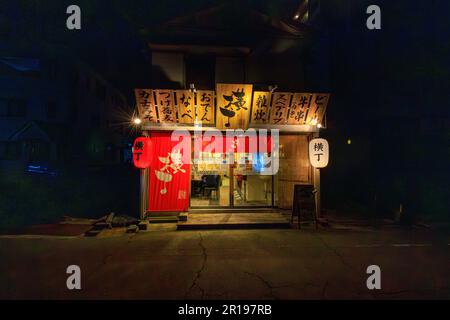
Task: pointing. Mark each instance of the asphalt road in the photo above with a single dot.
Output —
(230, 264)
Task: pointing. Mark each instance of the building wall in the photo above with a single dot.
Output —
(271, 70)
(294, 168)
(262, 71)
(66, 100)
(169, 71)
(230, 70)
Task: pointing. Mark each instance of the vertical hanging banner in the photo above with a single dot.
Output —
(299, 108)
(165, 105)
(145, 106)
(317, 109)
(280, 107)
(169, 173)
(205, 107)
(260, 107)
(185, 103)
(233, 105)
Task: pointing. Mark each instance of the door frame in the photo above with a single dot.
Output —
(231, 204)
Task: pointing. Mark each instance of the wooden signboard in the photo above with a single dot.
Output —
(233, 105)
(304, 206)
(205, 107)
(186, 109)
(165, 106)
(145, 106)
(317, 108)
(280, 107)
(260, 107)
(299, 108)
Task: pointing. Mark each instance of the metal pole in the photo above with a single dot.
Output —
(316, 180)
(143, 193)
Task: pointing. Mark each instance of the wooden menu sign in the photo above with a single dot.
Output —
(260, 107)
(280, 107)
(166, 106)
(317, 108)
(205, 107)
(145, 106)
(186, 106)
(233, 105)
(299, 108)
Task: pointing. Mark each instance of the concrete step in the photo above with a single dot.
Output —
(167, 219)
(233, 210)
(92, 233)
(234, 221)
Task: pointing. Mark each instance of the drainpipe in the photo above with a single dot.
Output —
(143, 193)
(316, 181)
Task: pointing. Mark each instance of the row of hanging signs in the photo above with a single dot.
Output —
(231, 106)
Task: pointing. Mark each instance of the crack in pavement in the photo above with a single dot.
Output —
(268, 285)
(344, 263)
(324, 290)
(199, 272)
(416, 290)
(108, 256)
(341, 258)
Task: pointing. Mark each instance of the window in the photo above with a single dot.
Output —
(5, 29)
(109, 153)
(50, 69)
(38, 150)
(9, 150)
(51, 110)
(13, 107)
(200, 70)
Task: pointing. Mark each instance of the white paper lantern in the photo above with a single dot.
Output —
(318, 153)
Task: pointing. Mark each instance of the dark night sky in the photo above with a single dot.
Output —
(400, 69)
(393, 77)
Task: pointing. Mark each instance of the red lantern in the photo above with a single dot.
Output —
(142, 152)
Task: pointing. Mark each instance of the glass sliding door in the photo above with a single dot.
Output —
(217, 184)
(250, 187)
(210, 184)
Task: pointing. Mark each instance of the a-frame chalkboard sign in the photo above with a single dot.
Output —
(304, 206)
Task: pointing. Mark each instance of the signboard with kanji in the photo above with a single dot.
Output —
(145, 106)
(205, 107)
(318, 152)
(233, 105)
(299, 108)
(185, 103)
(165, 105)
(260, 107)
(280, 107)
(319, 102)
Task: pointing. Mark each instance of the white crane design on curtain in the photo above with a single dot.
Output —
(172, 164)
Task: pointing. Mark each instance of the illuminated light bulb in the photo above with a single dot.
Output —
(137, 121)
(349, 141)
(296, 16)
(319, 125)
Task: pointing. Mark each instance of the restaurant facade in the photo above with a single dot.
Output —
(234, 98)
(228, 148)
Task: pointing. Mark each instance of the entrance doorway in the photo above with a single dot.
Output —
(230, 185)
